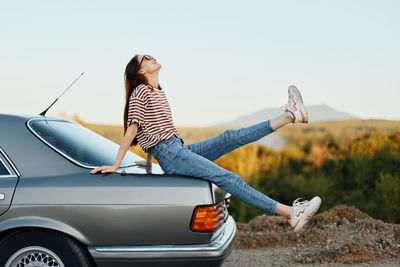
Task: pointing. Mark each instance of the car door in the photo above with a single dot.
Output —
(8, 181)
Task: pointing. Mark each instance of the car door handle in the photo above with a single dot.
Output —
(1, 196)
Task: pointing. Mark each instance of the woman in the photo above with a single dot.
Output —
(148, 121)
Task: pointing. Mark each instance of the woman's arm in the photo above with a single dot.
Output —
(149, 159)
(125, 144)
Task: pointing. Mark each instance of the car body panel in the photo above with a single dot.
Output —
(7, 187)
(92, 204)
(8, 182)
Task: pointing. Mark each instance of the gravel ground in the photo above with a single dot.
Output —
(282, 257)
(341, 235)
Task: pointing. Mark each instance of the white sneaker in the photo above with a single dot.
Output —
(302, 212)
(295, 106)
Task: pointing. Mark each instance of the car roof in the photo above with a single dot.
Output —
(25, 117)
(23, 147)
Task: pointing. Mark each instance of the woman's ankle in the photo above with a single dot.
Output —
(283, 210)
(280, 121)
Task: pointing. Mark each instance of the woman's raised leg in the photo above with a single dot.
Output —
(217, 146)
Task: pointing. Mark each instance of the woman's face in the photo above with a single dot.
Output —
(148, 66)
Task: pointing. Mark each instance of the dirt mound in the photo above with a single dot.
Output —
(340, 235)
(339, 215)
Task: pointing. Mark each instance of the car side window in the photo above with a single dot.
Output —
(7, 167)
(3, 168)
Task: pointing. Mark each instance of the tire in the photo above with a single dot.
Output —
(45, 248)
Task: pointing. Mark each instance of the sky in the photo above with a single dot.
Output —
(220, 59)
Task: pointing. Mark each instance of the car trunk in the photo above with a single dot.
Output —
(115, 209)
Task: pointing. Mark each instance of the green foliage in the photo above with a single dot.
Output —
(387, 197)
(367, 176)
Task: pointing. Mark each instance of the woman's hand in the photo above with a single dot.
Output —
(123, 148)
(104, 169)
(143, 163)
(146, 163)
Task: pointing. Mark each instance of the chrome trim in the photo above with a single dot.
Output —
(9, 176)
(215, 248)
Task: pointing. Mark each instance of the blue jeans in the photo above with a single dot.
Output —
(197, 160)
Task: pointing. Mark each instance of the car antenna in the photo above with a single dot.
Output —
(44, 112)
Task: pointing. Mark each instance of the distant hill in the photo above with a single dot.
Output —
(342, 131)
(316, 113)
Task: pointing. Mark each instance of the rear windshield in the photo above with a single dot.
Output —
(80, 144)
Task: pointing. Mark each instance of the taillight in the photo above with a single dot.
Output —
(209, 218)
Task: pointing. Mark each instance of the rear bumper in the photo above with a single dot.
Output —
(212, 254)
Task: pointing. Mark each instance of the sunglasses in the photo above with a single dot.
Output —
(146, 57)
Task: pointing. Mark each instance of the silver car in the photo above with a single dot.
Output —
(53, 212)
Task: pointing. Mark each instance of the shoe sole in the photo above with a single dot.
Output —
(295, 94)
(309, 215)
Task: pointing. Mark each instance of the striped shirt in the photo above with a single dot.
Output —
(149, 107)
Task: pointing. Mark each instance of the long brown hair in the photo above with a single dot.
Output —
(132, 80)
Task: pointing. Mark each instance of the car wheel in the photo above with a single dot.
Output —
(42, 248)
